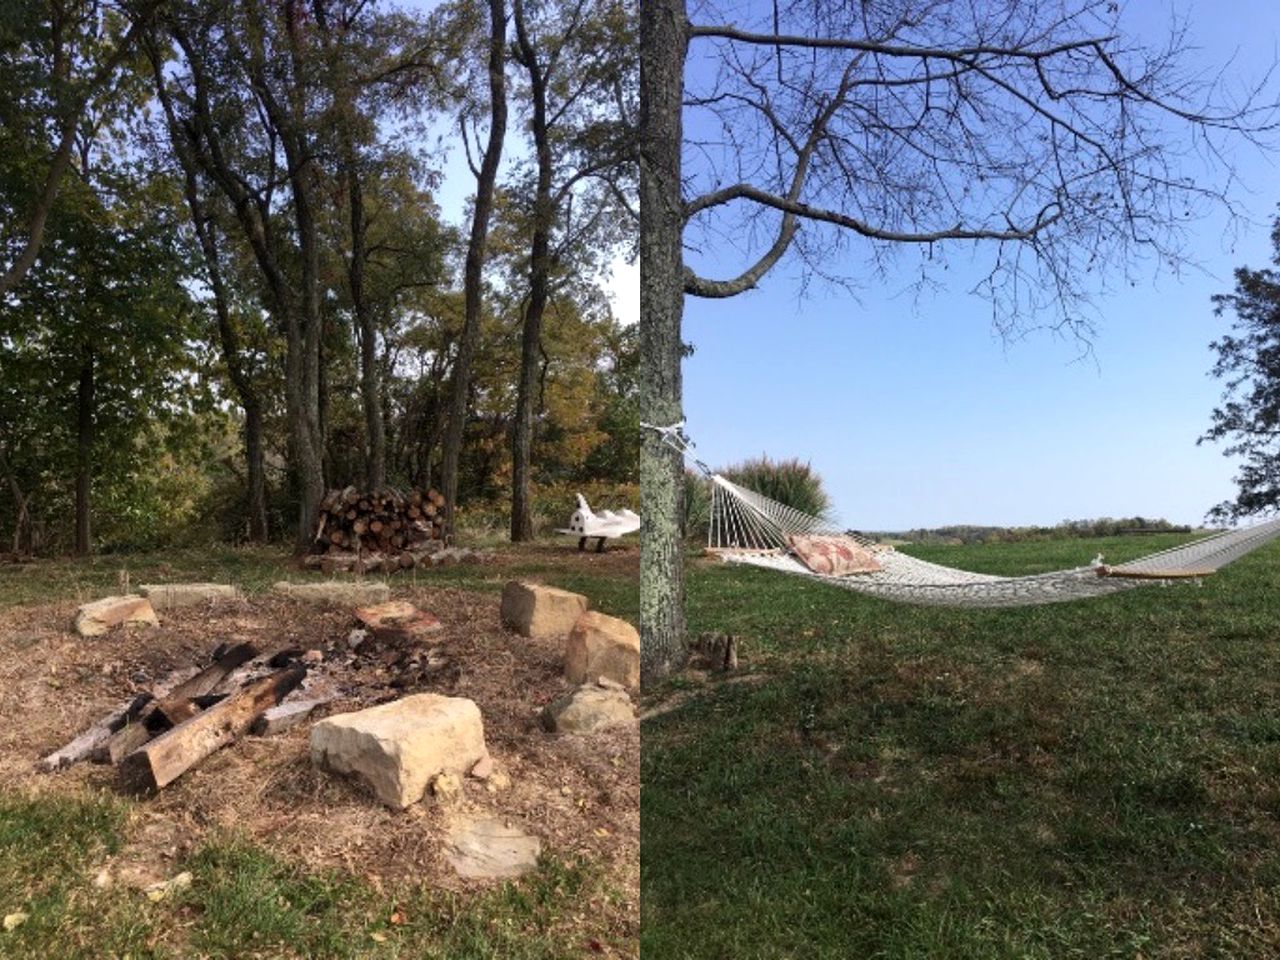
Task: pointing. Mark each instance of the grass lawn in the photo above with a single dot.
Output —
(1094, 779)
(601, 577)
(247, 901)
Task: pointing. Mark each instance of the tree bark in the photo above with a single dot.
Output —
(84, 452)
(303, 320)
(294, 302)
(370, 385)
(473, 271)
(348, 161)
(663, 42)
(257, 474)
(307, 419)
(539, 283)
(22, 514)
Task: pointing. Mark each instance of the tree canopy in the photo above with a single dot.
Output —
(243, 288)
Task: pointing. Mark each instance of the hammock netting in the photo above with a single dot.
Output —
(751, 529)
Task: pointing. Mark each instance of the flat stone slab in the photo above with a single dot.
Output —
(533, 610)
(485, 848)
(589, 709)
(337, 592)
(602, 646)
(398, 621)
(398, 748)
(96, 618)
(165, 596)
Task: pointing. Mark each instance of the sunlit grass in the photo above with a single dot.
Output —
(1092, 779)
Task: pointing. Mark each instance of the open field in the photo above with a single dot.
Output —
(1094, 779)
(287, 861)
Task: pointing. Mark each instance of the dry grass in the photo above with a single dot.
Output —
(581, 796)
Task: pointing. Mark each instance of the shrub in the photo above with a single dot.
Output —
(696, 515)
(791, 482)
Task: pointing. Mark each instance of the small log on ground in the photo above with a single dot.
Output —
(131, 736)
(174, 704)
(286, 716)
(170, 755)
(96, 736)
(92, 744)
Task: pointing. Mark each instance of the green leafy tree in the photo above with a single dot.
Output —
(577, 70)
(101, 331)
(60, 62)
(1248, 361)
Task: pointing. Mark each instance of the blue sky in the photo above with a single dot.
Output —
(916, 414)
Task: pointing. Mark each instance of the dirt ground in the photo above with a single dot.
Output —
(581, 796)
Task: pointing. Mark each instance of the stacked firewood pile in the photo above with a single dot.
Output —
(380, 531)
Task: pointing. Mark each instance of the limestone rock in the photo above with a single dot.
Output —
(167, 888)
(533, 610)
(485, 848)
(447, 788)
(603, 646)
(343, 592)
(399, 747)
(96, 618)
(589, 709)
(165, 596)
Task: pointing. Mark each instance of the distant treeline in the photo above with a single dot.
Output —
(1066, 530)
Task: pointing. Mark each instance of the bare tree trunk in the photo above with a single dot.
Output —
(254, 458)
(370, 385)
(663, 40)
(473, 271)
(539, 282)
(366, 333)
(294, 302)
(22, 513)
(84, 452)
(307, 326)
(39, 216)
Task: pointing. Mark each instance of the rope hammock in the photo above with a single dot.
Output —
(751, 529)
(748, 528)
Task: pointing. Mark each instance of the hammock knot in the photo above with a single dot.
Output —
(674, 437)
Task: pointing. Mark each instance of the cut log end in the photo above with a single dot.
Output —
(158, 763)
